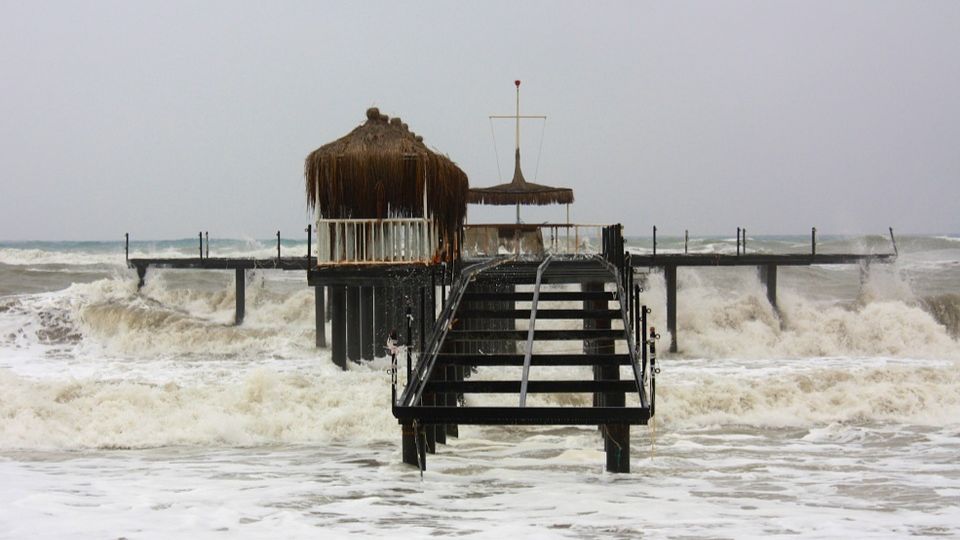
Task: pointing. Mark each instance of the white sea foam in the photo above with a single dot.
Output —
(264, 408)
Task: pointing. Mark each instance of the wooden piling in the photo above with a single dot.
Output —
(617, 437)
(670, 276)
(319, 314)
(338, 325)
(768, 275)
(353, 324)
(141, 276)
(592, 346)
(409, 444)
(240, 283)
(366, 323)
(380, 330)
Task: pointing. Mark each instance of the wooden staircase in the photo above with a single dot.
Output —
(475, 348)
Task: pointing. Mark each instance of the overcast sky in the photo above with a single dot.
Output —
(166, 118)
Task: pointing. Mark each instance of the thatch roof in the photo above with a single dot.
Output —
(378, 170)
(519, 191)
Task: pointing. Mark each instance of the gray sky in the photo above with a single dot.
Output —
(166, 118)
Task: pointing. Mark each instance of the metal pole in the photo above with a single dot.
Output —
(278, 248)
(654, 240)
(686, 240)
(207, 235)
(894, 242)
(200, 236)
(738, 241)
(813, 241)
(744, 241)
(126, 249)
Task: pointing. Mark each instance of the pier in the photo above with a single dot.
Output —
(398, 272)
(767, 265)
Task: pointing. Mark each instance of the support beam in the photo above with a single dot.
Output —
(353, 324)
(366, 322)
(670, 275)
(338, 325)
(240, 293)
(319, 314)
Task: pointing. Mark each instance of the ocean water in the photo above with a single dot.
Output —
(149, 415)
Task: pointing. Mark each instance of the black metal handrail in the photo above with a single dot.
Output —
(530, 332)
(631, 344)
(428, 356)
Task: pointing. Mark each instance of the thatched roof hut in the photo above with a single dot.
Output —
(379, 170)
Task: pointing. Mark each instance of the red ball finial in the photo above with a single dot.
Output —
(517, 82)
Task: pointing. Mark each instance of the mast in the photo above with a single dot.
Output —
(517, 150)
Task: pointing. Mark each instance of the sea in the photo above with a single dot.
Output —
(138, 414)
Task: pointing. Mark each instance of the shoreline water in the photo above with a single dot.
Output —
(149, 414)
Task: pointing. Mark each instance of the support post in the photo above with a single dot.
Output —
(409, 441)
(353, 324)
(338, 325)
(618, 447)
(141, 276)
(686, 240)
(594, 346)
(813, 241)
(240, 292)
(670, 276)
(319, 315)
(380, 330)
(654, 240)
(769, 275)
(126, 245)
(366, 323)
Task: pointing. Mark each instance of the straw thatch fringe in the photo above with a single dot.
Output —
(378, 171)
(528, 197)
(519, 191)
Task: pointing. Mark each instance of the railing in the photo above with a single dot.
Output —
(534, 239)
(372, 241)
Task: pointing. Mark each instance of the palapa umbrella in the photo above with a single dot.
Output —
(518, 191)
(379, 170)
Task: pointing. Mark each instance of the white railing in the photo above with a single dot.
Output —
(371, 241)
(490, 239)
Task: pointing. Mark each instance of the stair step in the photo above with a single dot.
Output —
(549, 279)
(533, 387)
(546, 296)
(538, 335)
(541, 314)
(535, 360)
(554, 416)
